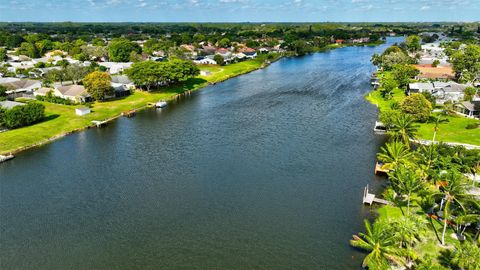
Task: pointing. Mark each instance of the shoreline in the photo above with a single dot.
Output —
(142, 107)
(173, 97)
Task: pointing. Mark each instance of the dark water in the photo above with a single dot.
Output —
(264, 171)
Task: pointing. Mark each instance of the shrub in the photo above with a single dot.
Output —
(21, 116)
(472, 126)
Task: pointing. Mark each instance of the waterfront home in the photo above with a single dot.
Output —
(74, 92)
(431, 52)
(207, 49)
(450, 91)
(427, 71)
(225, 53)
(419, 87)
(114, 67)
(43, 91)
(20, 87)
(82, 111)
(339, 41)
(469, 108)
(7, 104)
(205, 61)
(442, 91)
(122, 85)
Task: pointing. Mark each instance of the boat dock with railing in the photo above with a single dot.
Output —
(369, 198)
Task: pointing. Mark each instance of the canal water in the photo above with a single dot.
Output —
(263, 171)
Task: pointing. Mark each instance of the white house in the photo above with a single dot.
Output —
(114, 67)
(205, 61)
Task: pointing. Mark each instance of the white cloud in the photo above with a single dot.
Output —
(424, 8)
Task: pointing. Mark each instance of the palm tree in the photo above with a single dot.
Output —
(452, 193)
(380, 241)
(403, 129)
(409, 230)
(394, 154)
(405, 181)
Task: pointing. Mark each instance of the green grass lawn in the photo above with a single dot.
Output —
(451, 130)
(61, 119)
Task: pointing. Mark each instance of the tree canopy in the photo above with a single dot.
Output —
(98, 85)
(120, 49)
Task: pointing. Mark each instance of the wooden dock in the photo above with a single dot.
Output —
(130, 113)
(369, 198)
(5, 158)
(100, 123)
(380, 169)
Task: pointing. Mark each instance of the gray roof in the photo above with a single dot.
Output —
(72, 90)
(7, 104)
(123, 79)
(455, 87)
(420, 86)
(20, 84)
(471, 106)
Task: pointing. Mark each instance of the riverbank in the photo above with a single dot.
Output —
(61, 120)
(452, 129)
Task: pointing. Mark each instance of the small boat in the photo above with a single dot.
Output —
(6, 157)
(379, 127)
(161, 104)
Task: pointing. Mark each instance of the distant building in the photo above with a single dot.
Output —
(7, 104)
(75, 93)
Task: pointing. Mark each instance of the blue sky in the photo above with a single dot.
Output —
(239, 10)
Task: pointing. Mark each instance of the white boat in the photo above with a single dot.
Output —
(379, 127)
(161, 104)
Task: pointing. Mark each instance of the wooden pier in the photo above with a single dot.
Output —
(369, 198)
(380, 169)
(6, 157)
(100, 123)
(130, 113)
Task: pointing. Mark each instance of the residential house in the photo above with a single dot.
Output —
(419, 87)
(469, 108)
(122, 85)
(74, 92)
(43, 91)
(116, 67)
(451, 91)
(205, 61)
(20, 87)
(7, 104)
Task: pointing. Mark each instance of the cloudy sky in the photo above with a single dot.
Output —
(239, 10)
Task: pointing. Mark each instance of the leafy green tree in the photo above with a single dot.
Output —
(224, 42)
(381, 243)
(389, 60)
(98, 85)
(403, 129)
(469, 93)
(219, 59)
(146, 74)
(119, 50)
(417, 106)
(3, 54)
(28, 49)
(435, 63)
(75, 72)
(3, 92)
(403, 73)
(466, 62)
(388, 85)
(412, 43)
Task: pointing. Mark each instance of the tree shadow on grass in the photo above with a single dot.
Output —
(50, 117)
(178, 88)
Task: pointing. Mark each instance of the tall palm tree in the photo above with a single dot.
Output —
(405, 181)
(403, 129)
(409, 231)
(380, 241)
(394, 154)
(453, 193)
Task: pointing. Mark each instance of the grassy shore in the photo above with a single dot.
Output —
(452, 129)
(62, 120)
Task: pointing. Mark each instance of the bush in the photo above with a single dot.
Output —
(50, 97)
(472, 126)
(417, 106)
(21, 116)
